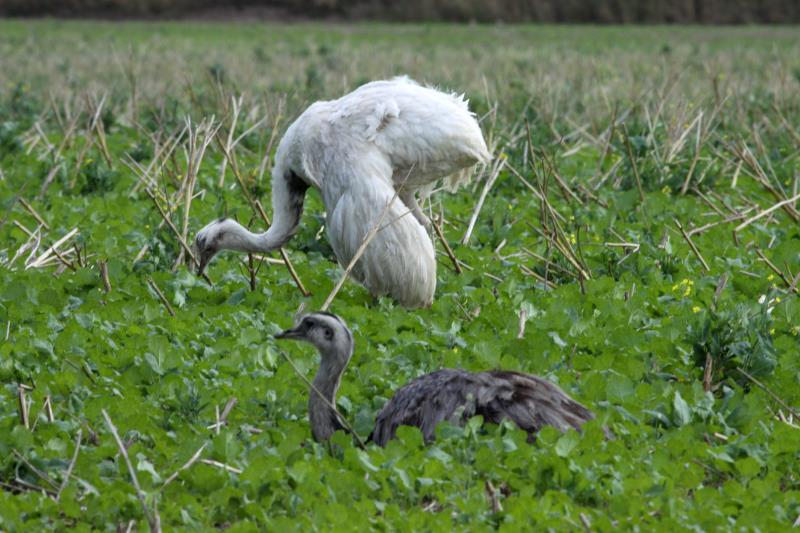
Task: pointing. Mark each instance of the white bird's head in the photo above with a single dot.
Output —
(327, 332)
(222, 234)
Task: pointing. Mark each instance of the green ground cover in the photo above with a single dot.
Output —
(610, 144)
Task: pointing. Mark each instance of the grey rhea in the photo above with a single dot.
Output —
(448, 394)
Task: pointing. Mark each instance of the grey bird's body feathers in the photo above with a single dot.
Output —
(457, 395)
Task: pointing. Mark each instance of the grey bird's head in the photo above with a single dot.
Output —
(218, 235)
(327, 332)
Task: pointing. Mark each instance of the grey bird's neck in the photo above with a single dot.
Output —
(324, 420)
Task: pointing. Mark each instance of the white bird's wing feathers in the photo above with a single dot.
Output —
(425, 134)
(383, 115)
(399, 260)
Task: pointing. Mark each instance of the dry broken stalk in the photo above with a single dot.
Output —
(768, 391)
(762, 214)
(97, 125)
(565, 190)
(500, 163)
(705, 227)
(528, 272)
(71, 465)
(585, 522)
(607, 146)
(633, 162)
(153, 520)
(707, 373)
(200, 137)
(792, 287)
(699, 141)
(723, 281)
(48, 408)
(552, 231)
(231, 157)
(162, 152)
(252, 270)
(161, 296)
(41, 259)
(222, 418)
(63, 260)
(25, 230)
(33, 212)
(789, 283)
(272, 137)
(494, 500)
(230, 142)
(438, 229)
(23, 406)
(758, 173)
(103, 265)
(42, 475)
(192, 460)
(523, 180)
(692, 246)
(223, 466)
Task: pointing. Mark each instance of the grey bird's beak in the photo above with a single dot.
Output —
(202, 256)
(202, 261)
(291, 334)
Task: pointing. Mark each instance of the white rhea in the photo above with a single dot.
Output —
(358, 151)
(448, 394)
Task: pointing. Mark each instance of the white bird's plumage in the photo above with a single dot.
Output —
(385, 136)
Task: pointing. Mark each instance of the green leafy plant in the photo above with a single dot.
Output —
(97, 177)
(735, 338)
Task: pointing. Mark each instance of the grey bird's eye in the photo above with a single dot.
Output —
(328, 333)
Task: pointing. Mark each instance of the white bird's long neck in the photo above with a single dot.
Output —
(288, 194)
(244, 240)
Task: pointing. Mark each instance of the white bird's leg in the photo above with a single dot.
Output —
(410, 199)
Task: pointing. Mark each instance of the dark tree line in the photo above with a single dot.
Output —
(596, 11)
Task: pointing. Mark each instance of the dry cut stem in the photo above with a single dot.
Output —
(186, 465)
(482, 198)
(71, 465)
(153, 520)
(692, 246)
(768, 391)
(438, 229)
(161, 296)
(633, 162)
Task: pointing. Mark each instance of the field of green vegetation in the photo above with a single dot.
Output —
(639, 245)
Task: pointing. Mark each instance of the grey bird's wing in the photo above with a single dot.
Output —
(530, 402)
(456, 395)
